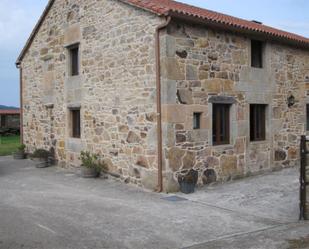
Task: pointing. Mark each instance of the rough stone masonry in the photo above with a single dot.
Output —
(202, 63)
(116, 94)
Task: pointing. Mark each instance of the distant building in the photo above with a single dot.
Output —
(9, 119)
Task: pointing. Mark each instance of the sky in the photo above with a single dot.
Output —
(18, 17)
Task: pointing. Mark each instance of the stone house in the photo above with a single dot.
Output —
(9, 118)
(157, 87)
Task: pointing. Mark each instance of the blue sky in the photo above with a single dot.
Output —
(18, 17)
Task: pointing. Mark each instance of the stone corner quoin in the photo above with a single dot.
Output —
(115, 91)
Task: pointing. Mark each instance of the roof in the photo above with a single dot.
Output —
(170, 7)
(181, 10)
(9, 111)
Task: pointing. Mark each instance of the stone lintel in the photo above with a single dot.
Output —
(72, 35)
(49, 105)
(73, 106)
(222, 100)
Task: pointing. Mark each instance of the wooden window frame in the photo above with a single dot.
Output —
(75, 123)
(197, 116)
(257, 53)
(221, 124)
(74, 60)
(3, 121)
(257, 122)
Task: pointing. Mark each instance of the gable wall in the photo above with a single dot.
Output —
(116, 89)
(201, 63)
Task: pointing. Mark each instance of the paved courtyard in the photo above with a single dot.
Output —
(55, 209)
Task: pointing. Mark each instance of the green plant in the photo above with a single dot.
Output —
(21, 148)
(91, 161)
(40, 153)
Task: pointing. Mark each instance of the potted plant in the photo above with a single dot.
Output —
(20, 153)
(187, 180)
(40, 156)
(91, 167)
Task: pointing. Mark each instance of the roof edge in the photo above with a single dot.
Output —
(238, 30)
(34, 31)
(136, 5)
(45, 13)
(180, 15)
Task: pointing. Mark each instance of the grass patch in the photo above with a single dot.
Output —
(8, 145)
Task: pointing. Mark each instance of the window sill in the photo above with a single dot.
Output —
(257, 67)
(72, 77)
(73, 82)
(74, 145)
(259, 142)
(222, 146)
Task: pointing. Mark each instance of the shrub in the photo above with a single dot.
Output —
(21, 148)
(91, 160)
(40, 153)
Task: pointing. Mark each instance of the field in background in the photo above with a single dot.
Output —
(8, 145)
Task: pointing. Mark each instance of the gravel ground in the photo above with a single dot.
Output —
(55, 209)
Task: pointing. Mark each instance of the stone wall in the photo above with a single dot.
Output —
(116, 94)
(199, 63)
(305, 179)
(115, 90)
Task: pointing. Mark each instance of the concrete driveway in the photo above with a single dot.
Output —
(55, 209)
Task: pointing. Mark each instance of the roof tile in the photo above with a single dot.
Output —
(164, 7)
(9, 111)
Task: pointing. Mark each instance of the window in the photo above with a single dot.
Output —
(307, 116)
(75, 121)
(3, 121)
(257, 122)
(221, 124)
(74, 60)
(197, 120)
(256, 54)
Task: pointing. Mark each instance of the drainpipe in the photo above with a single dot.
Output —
(18, 65)
(159, 104)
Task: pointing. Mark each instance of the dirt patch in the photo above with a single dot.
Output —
(301, 243)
